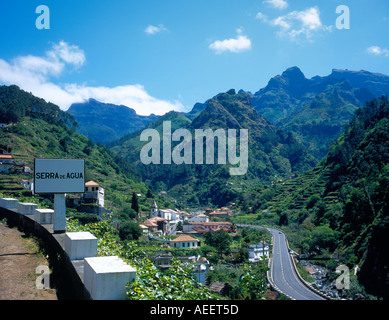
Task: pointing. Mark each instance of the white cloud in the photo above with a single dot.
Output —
(134, 96)
(278, 4)
(239, 44)
(261, 16)
(298, 25)
(68, 53)
(154, 30)
(33, 74)
(378, 51)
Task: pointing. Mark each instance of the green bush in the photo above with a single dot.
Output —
(130, 231)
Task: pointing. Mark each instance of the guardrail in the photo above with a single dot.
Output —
(77, 273)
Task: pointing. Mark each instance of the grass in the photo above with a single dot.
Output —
(304, 273)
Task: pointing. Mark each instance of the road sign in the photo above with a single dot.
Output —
(59, 176)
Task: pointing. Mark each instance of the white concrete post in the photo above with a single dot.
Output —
(27, 208)
(44, 216)
(59, 213)
(9, 203)
(80, 245)
(106, 277)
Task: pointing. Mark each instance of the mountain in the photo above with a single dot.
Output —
(104, 122)
(289, 91)
(377, 83)
(130, 145)
(317, 109)
(359, 172)
(340, 208)
(320, 122)
(196, 110)
(271, 152)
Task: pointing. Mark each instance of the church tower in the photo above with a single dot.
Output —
(154, 209)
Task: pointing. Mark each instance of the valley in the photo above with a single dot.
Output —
(317, 170)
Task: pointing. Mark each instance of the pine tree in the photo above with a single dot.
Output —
(134, 203)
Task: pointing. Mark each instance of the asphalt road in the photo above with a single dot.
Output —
(283, 273)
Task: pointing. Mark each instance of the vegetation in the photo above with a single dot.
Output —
(339, 209)
(220, 240)
(359, 173)
(150, 283)
(42, 130)
(104, 122)
(317, 110)
(272, 152)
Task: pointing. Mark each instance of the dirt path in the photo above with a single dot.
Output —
(19, 258)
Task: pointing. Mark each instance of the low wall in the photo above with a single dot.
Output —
(64, 277)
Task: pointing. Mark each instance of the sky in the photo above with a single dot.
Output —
(155, 56)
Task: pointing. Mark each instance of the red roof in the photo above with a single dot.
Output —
(6, 156)
(92, 184)
(184, 238)
(221, 223)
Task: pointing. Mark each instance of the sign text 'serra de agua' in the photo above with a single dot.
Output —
(59, 176)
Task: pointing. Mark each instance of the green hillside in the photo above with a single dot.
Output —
(316, 110)
(272, 152)
(105, 122)
(339, 209)
(42, 130)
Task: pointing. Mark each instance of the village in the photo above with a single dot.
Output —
(167, 233)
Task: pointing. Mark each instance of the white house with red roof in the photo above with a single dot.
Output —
(184, 241)
(94, 193)
(6, 162)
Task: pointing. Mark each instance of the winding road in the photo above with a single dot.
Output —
(282, 272)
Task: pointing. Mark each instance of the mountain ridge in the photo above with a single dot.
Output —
(271, 151)
(106, 122)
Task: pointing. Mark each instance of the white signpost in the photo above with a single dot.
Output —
(59, 176)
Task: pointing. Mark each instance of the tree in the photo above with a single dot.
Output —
(149, 194)
(129, 212)
(253, 281)
(284, 221)
(220, 240)
(134, 203)
(323, 237)
(130, 231)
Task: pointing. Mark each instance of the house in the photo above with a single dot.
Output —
(7, 161)
(21, 168)
(162, 260)
(202, 227)
(257, 251)
(94, 193)
(184, 215)
(144, 228)
(184, 241)
(201, 269)
(222, 288)
(208, 211)
(73, 200)
(157, 225)
(199, 218)
(218, 214)
(168, 214)
(28, 184)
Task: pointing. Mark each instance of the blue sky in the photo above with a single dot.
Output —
(156, 56)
